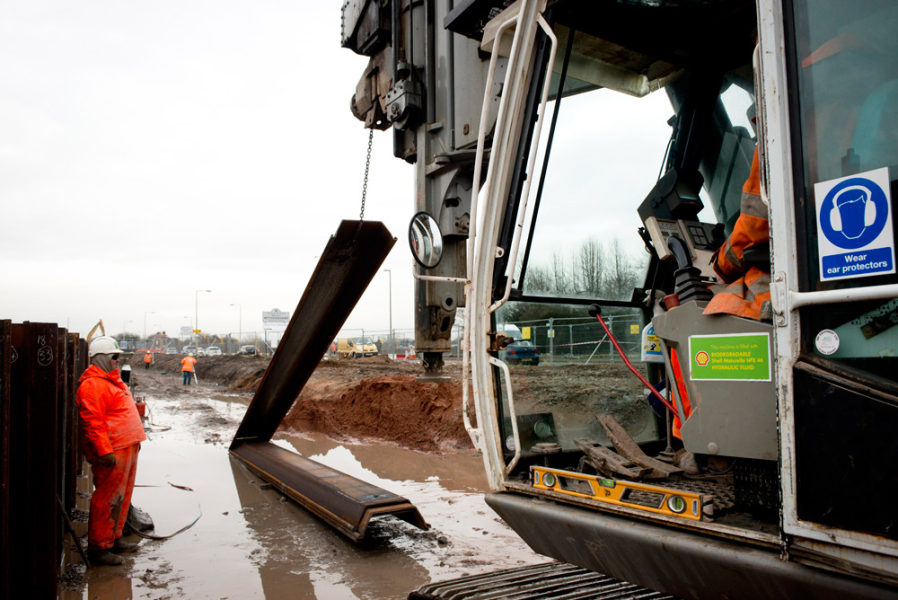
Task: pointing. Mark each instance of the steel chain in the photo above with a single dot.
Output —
(364, 186)
(367, 167)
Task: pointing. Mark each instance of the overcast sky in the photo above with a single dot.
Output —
(152, 149)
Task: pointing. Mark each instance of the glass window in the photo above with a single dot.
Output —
(846, 63)
(578, 376)
(606, 154)
(726, 166)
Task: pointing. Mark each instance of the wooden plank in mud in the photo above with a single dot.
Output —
(628, 448)
(607, 462)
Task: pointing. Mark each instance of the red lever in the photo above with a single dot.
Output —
(595, 311)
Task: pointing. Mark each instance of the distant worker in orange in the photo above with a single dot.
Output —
(147, 360)
(111, 436)
(187, 368)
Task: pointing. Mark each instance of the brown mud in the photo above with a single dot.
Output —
(379, 398)
(373, 397)
(251, 541)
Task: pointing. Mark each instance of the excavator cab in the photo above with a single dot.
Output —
(636, 151)
(617, 174)
(591, 157)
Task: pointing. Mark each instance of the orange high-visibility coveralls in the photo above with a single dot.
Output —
(187, 367)
(109, 424)
(746, 289)
(147, 359)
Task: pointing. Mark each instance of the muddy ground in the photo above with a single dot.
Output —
(363, 398)
(380, 398)
(368, 418)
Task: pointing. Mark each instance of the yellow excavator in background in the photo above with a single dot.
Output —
(93, 330)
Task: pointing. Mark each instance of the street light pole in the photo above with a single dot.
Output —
(392, 339)
(145, 323)
(240, 330)
(196, 322)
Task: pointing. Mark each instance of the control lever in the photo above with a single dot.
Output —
(596, 311)
(688, 286)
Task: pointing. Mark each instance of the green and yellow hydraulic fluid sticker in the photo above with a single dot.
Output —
(727, 357)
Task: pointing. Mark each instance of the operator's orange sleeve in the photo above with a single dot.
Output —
(747, 287)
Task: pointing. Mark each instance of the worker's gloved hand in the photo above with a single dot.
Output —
(107, 460)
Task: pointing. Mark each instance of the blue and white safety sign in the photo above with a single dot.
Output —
(854, 226)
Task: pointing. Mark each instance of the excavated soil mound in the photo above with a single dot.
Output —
(373, 397)
(424, 416)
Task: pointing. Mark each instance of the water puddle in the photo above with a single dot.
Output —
(252, 542)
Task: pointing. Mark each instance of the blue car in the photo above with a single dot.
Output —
(522, 352)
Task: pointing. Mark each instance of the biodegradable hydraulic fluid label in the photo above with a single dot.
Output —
(744, 356)
(854, 225)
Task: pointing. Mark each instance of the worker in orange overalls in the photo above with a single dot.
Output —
(746, 288)
(187, 368)
(147, 360)
(111, 436)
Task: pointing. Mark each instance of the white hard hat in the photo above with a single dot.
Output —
(103, 345)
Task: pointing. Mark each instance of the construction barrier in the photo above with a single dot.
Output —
(40, 453)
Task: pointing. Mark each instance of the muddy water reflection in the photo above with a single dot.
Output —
(252, 543)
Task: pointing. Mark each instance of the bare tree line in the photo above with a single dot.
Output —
(594, 269)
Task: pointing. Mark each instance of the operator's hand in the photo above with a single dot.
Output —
(107, 460)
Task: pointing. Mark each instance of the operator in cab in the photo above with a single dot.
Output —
(745, 289)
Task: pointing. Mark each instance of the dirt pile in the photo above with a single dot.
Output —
(237, 373)
(349, 398)
(425, 416)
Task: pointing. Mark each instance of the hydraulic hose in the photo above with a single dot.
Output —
(148, 536)
(596, 311)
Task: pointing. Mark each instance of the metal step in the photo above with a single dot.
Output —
(549, 581)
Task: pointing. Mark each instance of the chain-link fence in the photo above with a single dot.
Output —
(582, 340)
(265, 342)
(399, 341)
(561, 340)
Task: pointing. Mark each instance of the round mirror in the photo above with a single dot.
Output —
(425, 239)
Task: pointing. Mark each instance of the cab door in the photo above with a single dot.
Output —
(831, 167)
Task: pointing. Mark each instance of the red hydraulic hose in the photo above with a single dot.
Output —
(596, 312)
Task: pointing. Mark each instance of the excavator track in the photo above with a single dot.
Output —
(549, 581)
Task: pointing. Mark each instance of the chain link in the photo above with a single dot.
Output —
(367, 167)
(364, 186)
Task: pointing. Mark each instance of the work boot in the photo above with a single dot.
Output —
(104, 557)
(123, 546)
